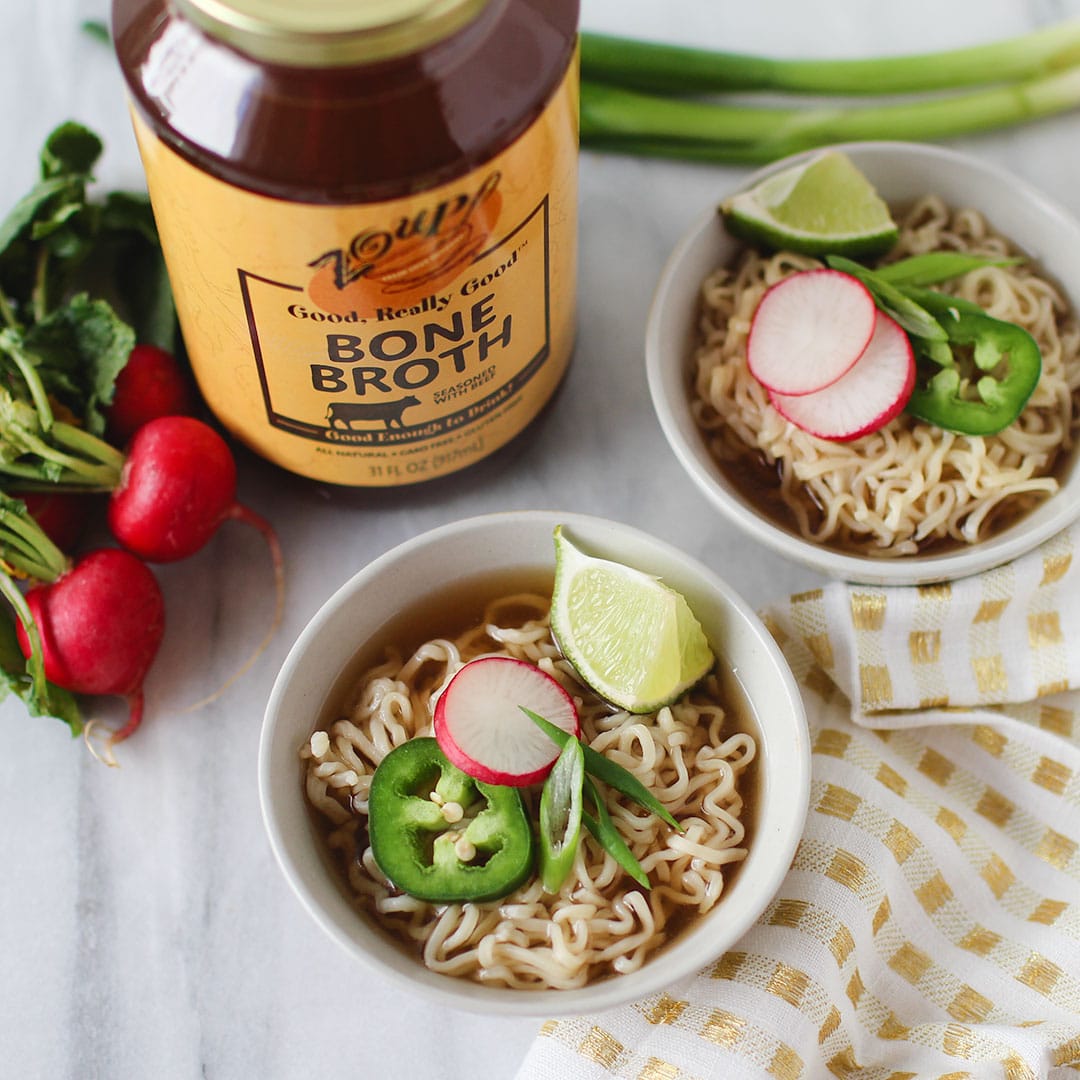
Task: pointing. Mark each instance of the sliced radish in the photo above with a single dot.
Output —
(482, 730)
(871, 394)
(808, 330)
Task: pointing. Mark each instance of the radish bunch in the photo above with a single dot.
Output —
(99, 623)
(81, 377)
(833, 364)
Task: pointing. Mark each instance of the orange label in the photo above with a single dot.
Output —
(383, 343)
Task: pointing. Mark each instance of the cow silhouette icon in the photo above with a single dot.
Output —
(342, 414)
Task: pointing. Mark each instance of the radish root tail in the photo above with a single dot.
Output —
(105, 755)
(135, 702)
(249, 517)
(93, 734)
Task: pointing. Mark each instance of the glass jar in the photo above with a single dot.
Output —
(368, 213)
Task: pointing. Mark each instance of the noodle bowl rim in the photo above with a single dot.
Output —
(901, 171)
(496, 542)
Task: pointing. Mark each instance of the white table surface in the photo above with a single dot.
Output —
(145, 930)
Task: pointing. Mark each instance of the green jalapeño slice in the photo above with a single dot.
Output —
(1005, 368)
(441, 836)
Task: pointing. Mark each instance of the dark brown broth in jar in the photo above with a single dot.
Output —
(345, 134)
(369, 218)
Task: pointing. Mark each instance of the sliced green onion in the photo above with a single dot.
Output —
(611, 772)
(681, 69)
(940, 304)
(915, 319)
(934, 267)
(609, 838)
(560, 816)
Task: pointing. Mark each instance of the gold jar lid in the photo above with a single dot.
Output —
(329, 33)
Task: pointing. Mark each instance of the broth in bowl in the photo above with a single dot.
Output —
(917, 506)
(401, 599)
(697, 756)
(910, 487)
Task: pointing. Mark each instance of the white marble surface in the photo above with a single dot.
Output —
(144, 927)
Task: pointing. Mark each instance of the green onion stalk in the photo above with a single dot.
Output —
(677, 69)
(643, 98)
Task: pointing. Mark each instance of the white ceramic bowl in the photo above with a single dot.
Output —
(900, 172)
(496, 543)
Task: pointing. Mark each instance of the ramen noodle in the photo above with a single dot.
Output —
(600, 922)
(909, 487)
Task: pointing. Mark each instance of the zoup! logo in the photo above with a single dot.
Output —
(422, 252)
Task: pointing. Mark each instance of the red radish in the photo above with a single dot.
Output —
(808, 330)
(100, 626)
(482, 730)
(177, 486)
(62, 515)
(866, 398)
(151, 384)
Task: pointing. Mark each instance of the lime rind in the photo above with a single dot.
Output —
(630, 637)
(825, 206)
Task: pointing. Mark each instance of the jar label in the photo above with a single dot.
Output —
(383, 343)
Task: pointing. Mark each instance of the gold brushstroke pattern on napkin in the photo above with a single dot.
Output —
(930, 924)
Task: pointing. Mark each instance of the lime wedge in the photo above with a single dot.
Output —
(821, 207)
(631, 638)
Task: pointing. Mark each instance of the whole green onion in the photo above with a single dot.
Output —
(677, 69)
(629, 122)
(645, 98)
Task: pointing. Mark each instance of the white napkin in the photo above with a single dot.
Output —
(929, 926)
